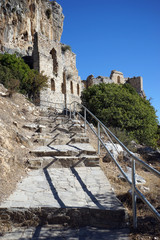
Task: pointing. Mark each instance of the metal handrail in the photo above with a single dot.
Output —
(134, 158)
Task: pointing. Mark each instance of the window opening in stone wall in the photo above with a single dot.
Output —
(71, 87)
(25, 36)
(118, 79)
(78, 89)
(62, 88)
(53, 52)
(52, 84)
(63, 85)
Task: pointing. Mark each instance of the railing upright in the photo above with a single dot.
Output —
(74, 109)
(134, 197)
(70, 112)
(85, 119)
(98, 128)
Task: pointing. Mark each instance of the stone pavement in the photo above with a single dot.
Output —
(65, 186)
(65, 233)
(84, 187)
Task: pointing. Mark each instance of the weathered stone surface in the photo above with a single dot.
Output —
(115, 149)
(64, 150)
(61, 232)
(76, 187)
(139, 179)
(21, 19)
(63, 161)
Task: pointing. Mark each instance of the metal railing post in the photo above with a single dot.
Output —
(85, 119)
(74, 109)
(70, 112)
(98, 138)
(134, 197)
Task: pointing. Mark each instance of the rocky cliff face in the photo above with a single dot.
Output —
(21, 19)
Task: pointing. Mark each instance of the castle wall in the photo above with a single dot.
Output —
(117, 77)
(64, 84)
(91, 80)
(137, 83)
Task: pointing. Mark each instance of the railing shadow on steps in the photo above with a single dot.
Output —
(75, 108)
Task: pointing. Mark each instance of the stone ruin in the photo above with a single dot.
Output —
(33, 29)
(117, 78)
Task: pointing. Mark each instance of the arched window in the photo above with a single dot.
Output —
(52, 84)
(71, 87)
(78, 89)
(55, 62)
(63, 85)
(118, 79)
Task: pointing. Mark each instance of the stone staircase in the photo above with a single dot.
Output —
(65, 184)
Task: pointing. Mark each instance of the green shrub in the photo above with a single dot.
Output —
(120, 106)
(65, 48)
(14, 68)
(124, 137)
(13, 86)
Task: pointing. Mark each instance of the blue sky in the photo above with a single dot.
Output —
(116, 34)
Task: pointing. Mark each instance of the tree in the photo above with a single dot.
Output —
(14, 67)
(120, 106)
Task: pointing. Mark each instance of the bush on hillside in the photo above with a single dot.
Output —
(65, 47)
(121, 107)
(30, 81)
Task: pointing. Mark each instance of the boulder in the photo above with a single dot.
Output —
(116, 150)
(139, 179)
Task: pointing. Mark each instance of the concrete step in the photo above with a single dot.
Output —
(63, 161)
(80, 196)
(75, 149)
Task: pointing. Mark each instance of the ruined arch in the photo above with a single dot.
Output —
(63, 85)
(53, 52)
(71, 87)
(118, 79)
(77, 89)
(52, 85)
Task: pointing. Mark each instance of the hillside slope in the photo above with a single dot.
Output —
(15, 140)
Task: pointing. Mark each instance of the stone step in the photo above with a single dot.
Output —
(63, 161)
(56, 138)
(52, 120)
(72, 217)
(77, 139)
(76, 128)
(59, 231)
(75, 149)
(78, 196)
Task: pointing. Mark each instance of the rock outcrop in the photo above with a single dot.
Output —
(20, 20)
(33, 29)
